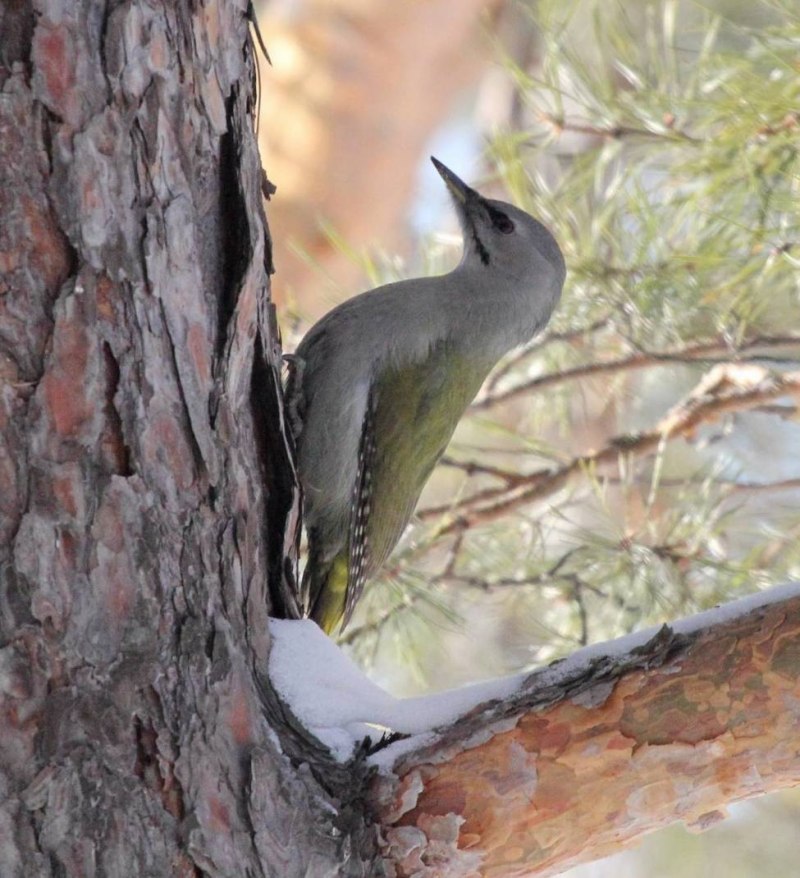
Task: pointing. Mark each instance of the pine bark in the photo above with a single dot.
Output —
(145, 487)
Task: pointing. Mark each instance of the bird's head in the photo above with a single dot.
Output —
(501, 237)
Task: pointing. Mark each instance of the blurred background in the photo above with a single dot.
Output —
(635, 463)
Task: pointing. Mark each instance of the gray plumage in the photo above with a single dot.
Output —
(380, 383)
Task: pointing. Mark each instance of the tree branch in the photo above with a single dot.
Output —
(600, 749)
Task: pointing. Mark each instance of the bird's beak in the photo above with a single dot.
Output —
(458, 188)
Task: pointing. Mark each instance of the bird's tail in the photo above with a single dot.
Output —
(326, 587)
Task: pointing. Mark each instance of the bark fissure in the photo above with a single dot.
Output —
(234, 228)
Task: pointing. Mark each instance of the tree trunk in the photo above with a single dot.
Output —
(148, 516)
(145, 487)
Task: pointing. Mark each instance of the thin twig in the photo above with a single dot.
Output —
(699, 352)
(377, 624)
(725, 389)
(617, 132)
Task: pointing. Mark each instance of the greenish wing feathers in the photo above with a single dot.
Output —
(410, 417)
(416, 410)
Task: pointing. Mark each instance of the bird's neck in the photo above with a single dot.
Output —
(511, 307)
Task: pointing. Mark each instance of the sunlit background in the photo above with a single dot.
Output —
(659, 141)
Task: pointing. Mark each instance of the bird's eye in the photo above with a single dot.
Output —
(502, 223)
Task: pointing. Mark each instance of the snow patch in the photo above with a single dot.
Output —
(335, 700)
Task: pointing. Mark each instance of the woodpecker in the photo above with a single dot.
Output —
(378, 385)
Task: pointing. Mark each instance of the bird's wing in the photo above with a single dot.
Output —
(412, 412)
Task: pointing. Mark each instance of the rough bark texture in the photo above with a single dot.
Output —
(139, 736)
(572, 772)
